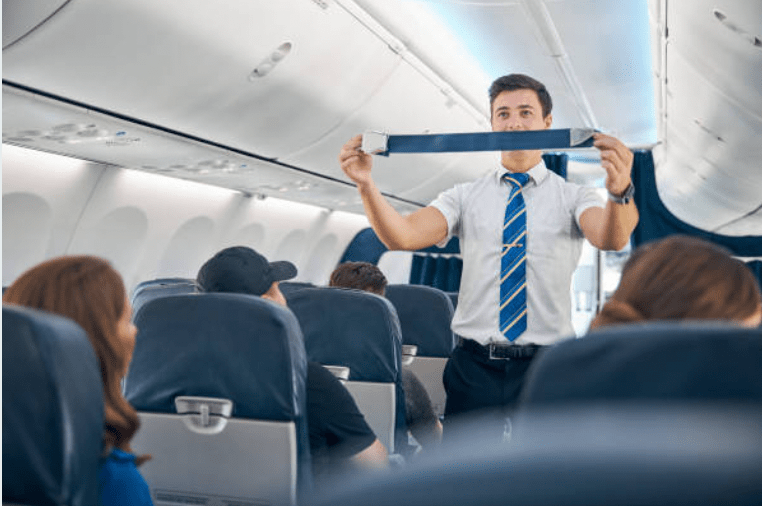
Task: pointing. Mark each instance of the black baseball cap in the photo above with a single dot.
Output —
(240, 269)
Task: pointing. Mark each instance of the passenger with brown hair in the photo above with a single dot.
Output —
(419, 413)
(90, 292)
(683, 278)
(359, 275)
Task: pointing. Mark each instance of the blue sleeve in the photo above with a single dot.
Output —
(122, 484)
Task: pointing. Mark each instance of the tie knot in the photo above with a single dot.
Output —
(519, 178)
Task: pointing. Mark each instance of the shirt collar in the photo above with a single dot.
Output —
(537, 174)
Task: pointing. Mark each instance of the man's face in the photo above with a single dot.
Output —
(518, 110)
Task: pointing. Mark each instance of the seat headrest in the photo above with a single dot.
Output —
(654, 361)
(162, 282)
(52, 410)
(152, 291)
(289, 287)
(234, 346)
(350, 328)
(425, 315)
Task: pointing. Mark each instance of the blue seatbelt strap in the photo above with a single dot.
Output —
(378, 143)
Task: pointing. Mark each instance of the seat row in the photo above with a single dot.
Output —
(424, 315)
(700, 384)
(201, 353)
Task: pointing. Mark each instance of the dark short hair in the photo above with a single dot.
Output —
(360, 276)
(513, 82)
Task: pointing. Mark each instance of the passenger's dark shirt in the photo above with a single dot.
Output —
(337, 428)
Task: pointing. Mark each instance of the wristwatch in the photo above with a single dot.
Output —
(625, 198)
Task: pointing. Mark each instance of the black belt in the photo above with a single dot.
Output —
(500, 351)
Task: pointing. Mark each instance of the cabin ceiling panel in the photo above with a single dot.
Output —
(609, 48)
(26, 16)
(185, 65)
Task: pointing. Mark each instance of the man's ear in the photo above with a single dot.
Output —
(548, 120)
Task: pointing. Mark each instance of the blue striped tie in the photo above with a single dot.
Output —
(513, 269)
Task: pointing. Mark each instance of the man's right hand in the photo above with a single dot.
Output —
(355, 163)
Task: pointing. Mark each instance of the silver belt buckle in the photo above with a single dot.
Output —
(491, 347)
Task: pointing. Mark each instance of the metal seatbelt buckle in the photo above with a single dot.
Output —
(578, 136)
(374, 142)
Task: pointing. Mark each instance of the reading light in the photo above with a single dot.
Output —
(269, 63)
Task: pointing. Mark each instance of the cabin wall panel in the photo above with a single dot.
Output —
(64, 185)
(139, 251)
(311, 237)
(27, 227)
(183, 256)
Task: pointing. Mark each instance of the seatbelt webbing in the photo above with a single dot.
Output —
(382, 144)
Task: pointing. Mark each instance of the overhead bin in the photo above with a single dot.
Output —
(709, 174)
(185, 65)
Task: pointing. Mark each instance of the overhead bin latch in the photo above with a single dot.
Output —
(374, 142)
(204, 415)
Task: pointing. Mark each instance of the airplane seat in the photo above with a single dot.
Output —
(152, 289)
(425, 315)
(654, 361)
(219, 382)
(358, 330)
(669, 456)
(52, 410)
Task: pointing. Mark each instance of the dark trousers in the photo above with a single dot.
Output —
(481, 390)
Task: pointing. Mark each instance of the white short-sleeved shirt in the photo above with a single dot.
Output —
(475, 211)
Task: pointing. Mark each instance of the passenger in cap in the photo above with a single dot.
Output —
(240, 269)
(340, 438)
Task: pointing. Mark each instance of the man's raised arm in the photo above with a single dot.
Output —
(610, 228)
(420, 229)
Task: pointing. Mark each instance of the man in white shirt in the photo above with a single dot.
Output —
(487, 370)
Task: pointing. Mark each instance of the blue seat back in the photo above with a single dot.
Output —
(232, 346)
(656, 361)
(350, 328)
(52, 410)
(670, 457)
(354, 329)
(425, 315)
(155, 288)
(289, 287)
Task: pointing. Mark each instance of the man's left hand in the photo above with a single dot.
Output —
(616, 158)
